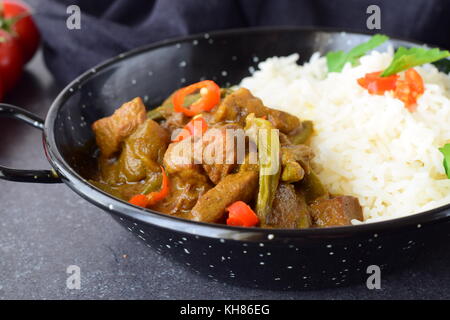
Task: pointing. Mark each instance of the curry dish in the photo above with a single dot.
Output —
(202, 155)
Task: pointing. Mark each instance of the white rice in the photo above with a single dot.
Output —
(367, 146)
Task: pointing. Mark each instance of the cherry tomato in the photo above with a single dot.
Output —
(24, 28)
(11, 60)
(1, 90)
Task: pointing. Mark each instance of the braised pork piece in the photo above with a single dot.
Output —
(219, 156)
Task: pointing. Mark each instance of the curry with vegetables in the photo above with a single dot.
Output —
(217, 155)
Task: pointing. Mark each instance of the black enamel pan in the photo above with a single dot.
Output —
(277, 259)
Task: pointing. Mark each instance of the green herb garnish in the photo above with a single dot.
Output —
(446, 152)
(336, 60)
(405, 58)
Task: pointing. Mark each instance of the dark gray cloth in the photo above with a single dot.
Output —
(109, 27)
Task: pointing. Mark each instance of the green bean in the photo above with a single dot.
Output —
(152, 184)
(305, 133)
(166, 108)
(268, 142)
(304, 221)
(155, 114)
(312, 187)
(225, 91)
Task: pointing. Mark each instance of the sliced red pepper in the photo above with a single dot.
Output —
(209, 91)
(196, 127)
(376, 84)
(139, 200)
(241, 215)
(152, 198)
(410, 89)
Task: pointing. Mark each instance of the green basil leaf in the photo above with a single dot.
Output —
(446, 152)
(405, 58)
(336, 60)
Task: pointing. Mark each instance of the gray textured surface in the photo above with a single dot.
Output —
(46, 228)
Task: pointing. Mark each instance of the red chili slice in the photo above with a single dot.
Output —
(210, 92)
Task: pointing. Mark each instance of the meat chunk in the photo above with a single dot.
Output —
(142, 153)
(215, 153)
(184, 194)
(283, 121)
(188, 181)
(175, 120)
(220, 151)
(237, 105)
(112, 130)
(289, 209)
(149, 141)
(179, 157)
(217, 172)
(338, 211)
(211, 207)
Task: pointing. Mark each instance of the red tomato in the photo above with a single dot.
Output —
(376, 84)
(11, 60)
(1, 90)
(25, 28)
(240, 214)
(403, 93)
(410, 89)
(415, 81)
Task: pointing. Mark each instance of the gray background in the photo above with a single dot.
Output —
(46, 228)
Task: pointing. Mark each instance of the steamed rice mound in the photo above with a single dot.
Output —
(367, 146)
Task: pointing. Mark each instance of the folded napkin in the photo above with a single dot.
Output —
(109, 27)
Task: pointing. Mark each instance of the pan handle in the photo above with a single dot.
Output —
(38, 176)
